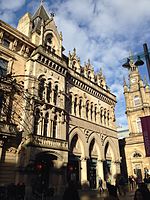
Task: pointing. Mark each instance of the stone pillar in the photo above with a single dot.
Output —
(1, 36)
(84, 181)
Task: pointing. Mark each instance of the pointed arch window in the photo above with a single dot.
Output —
(101, 116)
(41, 88)
(91, 112)
(95, 113)
(70, 106)
(46, 124)
(55, 127)
(49, 89)
(55, 94)
(3, 67)
(87, 109)
(36, 121)
(75, 106)
(80, 107)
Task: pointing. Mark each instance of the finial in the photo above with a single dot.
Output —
(124, 81)
(131, 56)
(52, 14)
(42, 1)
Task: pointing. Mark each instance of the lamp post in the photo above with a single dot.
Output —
(140, 62)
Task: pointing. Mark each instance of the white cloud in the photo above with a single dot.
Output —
(12, 5)
(104, 31)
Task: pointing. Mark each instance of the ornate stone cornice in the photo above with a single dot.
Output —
(91, 90)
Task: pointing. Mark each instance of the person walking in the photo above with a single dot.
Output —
(100, 185)
(142, 193)
(71, 192)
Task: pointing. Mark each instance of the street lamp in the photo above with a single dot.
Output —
(140, 62)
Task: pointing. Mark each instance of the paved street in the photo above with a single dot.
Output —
(94, 195)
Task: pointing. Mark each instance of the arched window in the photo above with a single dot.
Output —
(101, 116)
(49, 91)
(55, 94)
(80, 107)
(105, 117)
(48, 39)
(95, 113)
(45, 124)
(108, 118)
(91, 112)
(55, 127)
(87, 109)
(75, 105)
(139, 127)
(136, 101)
(41, 88)
(70, 106)
(36, 121)
(3, 67)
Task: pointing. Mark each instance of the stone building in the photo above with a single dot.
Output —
(64, 112)
(137, 97)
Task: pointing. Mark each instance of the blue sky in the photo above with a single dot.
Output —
(103, 31)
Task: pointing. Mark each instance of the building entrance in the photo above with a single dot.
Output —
(73, 172)
(91, 167)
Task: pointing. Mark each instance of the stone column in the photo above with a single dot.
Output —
(84, 181)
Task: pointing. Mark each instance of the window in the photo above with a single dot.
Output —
(55, 127)
(48, 92)
(55, 94)
(36, 121)
(139, 127)
(41, 88)
(87, 109)
(48, 39)
(95, 113)
(136, 101)
(3, 67)
(6, 42)
(45, 124)
(75, 105)
(80, 107)
(91, 112)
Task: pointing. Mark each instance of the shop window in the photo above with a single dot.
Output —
(3, 67)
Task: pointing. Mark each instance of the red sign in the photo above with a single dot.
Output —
(145, 121)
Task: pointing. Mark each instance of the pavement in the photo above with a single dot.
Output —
(95, 195)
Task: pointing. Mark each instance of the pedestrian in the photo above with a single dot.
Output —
(112, 191)
(142, 193)
(71, 192)
(100, 185)
(131, 182)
